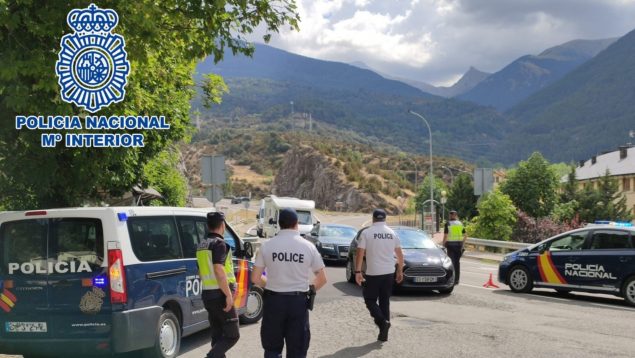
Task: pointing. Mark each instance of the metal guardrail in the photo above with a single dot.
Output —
(496, 243)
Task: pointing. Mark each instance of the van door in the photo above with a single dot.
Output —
(559, 254)
(23, 283)
(193, 230)
(79, 292)
(605, 261)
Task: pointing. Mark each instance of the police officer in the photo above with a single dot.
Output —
(288, 260)
(453, 238)
(380, 244)
(216, 269)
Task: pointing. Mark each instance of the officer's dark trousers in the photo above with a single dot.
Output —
(455, 251)
(285, 320)
(224, 327)
(378, 289)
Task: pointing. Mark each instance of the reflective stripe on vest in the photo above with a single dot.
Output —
(455, 231)
(206, 271)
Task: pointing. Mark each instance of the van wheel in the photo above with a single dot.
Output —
(350, 276)
(628, 291)
(520, 279)
(254, 307)
(168, 337)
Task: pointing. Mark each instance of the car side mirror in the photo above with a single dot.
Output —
(248, 250)
(257, 216)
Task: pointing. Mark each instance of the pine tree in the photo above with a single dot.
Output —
(611, 202)
(461, 197)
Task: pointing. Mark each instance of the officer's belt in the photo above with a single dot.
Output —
(290, 293)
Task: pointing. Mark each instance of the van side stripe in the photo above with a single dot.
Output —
(238, 301)
(546, 267)
(5, 307)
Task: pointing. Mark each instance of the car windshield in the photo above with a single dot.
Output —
(415, 239)
(304, 217)
(338, 231)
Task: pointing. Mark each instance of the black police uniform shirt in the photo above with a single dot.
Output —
(288, 260)
(219, 248)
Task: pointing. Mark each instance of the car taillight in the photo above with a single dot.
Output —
(117, 276)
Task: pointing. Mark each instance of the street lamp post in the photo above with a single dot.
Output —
(416, 173)
(431, 173)
(451, 174)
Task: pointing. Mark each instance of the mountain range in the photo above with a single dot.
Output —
(568, 102)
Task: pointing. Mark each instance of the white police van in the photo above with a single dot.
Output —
(85, 281)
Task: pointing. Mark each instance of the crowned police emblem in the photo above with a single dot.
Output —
(92, 67)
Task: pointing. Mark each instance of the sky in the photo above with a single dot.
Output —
(436, 41)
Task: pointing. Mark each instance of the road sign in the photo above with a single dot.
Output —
(483, 180)
(213, 170)
(214, 194)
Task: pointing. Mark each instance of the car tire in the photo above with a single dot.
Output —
(519, 279)
(168, 337)
(350, 276)
(628, 291)
(446, 291)
(255, 304)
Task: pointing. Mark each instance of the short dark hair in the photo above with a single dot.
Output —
(287, 218)
(215, 220)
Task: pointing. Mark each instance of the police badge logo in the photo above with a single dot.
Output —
(92, 68)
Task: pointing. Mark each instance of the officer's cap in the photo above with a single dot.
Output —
(453, 212)
(214, 219)
(287, 218)
(379, 214)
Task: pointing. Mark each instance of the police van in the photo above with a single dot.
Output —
(597, 258)
(108, 280)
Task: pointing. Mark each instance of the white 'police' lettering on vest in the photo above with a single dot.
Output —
(287, 257)
(382, 236)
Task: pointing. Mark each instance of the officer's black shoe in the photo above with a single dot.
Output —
(383, 332)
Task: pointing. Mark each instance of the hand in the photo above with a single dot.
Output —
(229, 303)
(399, 276)
(359, 278)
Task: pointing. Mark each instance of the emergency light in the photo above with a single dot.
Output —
(614, 223)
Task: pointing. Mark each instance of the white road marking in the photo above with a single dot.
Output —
(481, 287)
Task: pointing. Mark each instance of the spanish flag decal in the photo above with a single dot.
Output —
(242, 283)
(548, 271)
(7, 300)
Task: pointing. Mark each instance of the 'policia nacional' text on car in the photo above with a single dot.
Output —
(597, 259)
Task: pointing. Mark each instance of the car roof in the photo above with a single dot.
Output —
(338, 225)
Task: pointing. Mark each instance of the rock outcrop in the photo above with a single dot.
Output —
(308, 174)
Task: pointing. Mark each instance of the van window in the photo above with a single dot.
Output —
(609, 239)
(304, 218)
(190, 236)
(573, 241)
(154, 238)
(77, 239)
(23, 242)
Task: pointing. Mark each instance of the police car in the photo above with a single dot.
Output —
(598, 258)
(85, 281)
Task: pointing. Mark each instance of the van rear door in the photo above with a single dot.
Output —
(23, 282)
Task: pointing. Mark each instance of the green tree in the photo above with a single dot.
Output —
(162, 174)
(588, 199)
(424, 192)
(532, 186)
(164, 41)
(611, 201)
(569, 190)
(461, 197)
(496, 217)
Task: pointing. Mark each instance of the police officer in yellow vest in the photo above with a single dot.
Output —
(453, 238)
(216, 269)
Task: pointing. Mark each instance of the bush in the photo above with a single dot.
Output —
(497, 215)
(530, 230)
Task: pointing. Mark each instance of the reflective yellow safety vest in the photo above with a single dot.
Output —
(455, 231)
(206, 271)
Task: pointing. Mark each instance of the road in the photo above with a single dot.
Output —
(471, 322)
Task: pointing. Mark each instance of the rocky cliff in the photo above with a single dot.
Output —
(308, 174)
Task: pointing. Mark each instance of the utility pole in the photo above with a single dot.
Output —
(310, 123)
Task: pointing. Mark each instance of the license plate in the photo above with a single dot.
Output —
(425, 279)
(343, 254)
(27, 327)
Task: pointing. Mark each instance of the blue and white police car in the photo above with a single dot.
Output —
(85, 281)
(599, 258)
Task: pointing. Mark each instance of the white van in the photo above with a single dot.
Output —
(272, 206)
(92, 281)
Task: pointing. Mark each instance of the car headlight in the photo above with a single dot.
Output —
(328, 246)
(447, 262)
(506, 258)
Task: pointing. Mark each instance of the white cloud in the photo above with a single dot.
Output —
(437, 40)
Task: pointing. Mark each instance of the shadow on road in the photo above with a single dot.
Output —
(348, 288)
(580, 300)
(196, 341)
(355, 351)
(351, 289)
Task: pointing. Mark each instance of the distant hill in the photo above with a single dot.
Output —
(351, 98)
(588, 111)
(529, 74)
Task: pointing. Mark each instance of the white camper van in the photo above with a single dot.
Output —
(272, 206)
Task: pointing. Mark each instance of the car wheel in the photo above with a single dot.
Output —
(350, 276)
(520, 279)
(168, 340)
(446, 291)
(628, 291)
(254, 306)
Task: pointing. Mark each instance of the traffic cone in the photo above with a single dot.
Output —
(490, 283)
